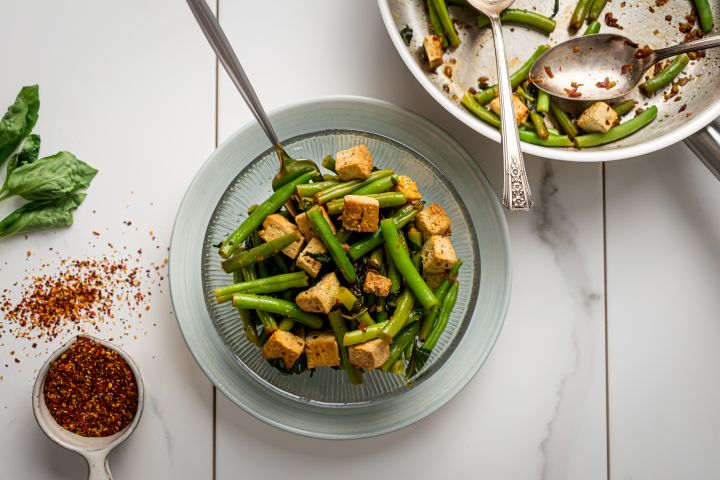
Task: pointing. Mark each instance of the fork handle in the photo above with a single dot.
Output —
(219, 42)
(516, 189)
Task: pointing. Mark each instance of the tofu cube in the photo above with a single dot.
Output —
(521, 111)
(408, 187)
(598, 117)
(321, 297)
(437, 254)
(321, 349)
(354, 163)
(361, 213)
(306, 228)
(284, 345)
(434, 280)
(433, 50)
(369, 355)
(377, 284)
(305, 260)
(274, 226)
(433, 221)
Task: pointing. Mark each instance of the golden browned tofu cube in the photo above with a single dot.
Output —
(306, 260)
(521, 111)
(433, 221)
(354, 163)
(437, 254)
(306, 228)
(598, 117)
(321, 297)
(433, 50)
(284, 345)
(369, 355)
(321, 349)
(274, 226)
(407, 187)
(377, 284)
(361, 213)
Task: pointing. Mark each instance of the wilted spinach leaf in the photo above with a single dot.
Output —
(50, 177)
(19, 120)
(41, 215)
(406, 34)
(299, 367)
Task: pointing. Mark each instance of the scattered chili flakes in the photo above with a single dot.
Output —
(626, 68)
(643, 52)
(682, 107)
(607, 84)
(549, 72)
(611, 21)
(448, 71)
(90, 390)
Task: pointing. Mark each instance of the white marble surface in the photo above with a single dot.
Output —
(130, 87)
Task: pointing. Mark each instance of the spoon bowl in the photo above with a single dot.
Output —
(95, 450)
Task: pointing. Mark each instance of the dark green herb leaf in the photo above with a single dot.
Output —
(299, 367)
(406, 34)
(51, 177)
(320, 257)
(41, 215)
(28, 154)
(418, 359)
(19, 120)
(556, 8)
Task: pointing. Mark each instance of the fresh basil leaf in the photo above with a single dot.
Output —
(41, 215)
(418, 359)
(50, 177)
(19, 120)
(28, 154)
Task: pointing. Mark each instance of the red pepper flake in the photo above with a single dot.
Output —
(17, 360)
(682, 107)
(607, 84)
(90, 390)
(626, 68)
(643, 52)
(96, 233)
(549, 72)
(29, 253)
(611, 21)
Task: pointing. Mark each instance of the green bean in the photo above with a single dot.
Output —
(343, 235)
(623, 108)
(246, 316)
(275, 305)
(595, 10)
(365, 245)
(443, 317)
(470, 102)
(440, 293)
(273, 284)
(361, 336)
(249, 274)
(446, 22)
(392, 272)
(400, 316)
(522, 17)
(402, 260)
(278, 262)
(563, 121)
(286, 324)
(519, 76)
(581, 11)
(415, 238)
(404, 338)
(543, 101)
(705, 14)
(552, 140)
(310, 189)
(378, 186)
(398, 368)
(435, 23)
(350, 302)
(667, 75)
(408, 351)
(271, 205)
(539, 124)
(375, 260)
(259, 253)
(338, 325)
(329, 162)
(387, 199)
(322, 227)
(346, 188)
(593, 28)
(616, 133)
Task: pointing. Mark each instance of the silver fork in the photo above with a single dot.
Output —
(516, 190)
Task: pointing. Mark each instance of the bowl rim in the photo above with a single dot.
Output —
(212, 371)
(695, 123)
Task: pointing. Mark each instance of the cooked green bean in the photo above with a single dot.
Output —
(375, 260)
(246, 316)
(402, 260)
(435, 23)
(310, 189)
(623, 108)
(378, 186)
(398, 368)
(249, 274)
(616, 133)
(277, 283)
(350, 301)
(470, 102)
(543, 101)
(705, 14)
(338, 325)
(440, 293)
(404, 338)
(552, 140)
(272, 204)
(259, 253)
(286, 324)
(595, 10)
(519, 76)
(593, 28)
(443, 317)
(400, 316)
(343, 235)
(361, 336)
(365, 245)
(522, 17)
(446, 21)
(392, 272)
(275, 305)
(563, 120)
(329, 162)
(347, 188)
(321, 226)
(539, 124)
(580, 13)
(387, 199)
(667, 75)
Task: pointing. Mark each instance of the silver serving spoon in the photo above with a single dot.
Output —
(516, 190)
(95, 450)
(290, 168)
(603, 66)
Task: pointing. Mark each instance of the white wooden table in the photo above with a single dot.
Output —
(607, 366)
